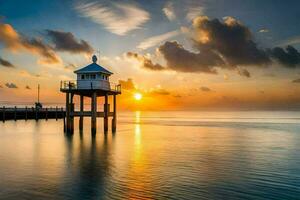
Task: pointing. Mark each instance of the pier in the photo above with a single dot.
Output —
(26, 113)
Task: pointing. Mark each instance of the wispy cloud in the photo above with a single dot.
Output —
(264, 30)
(118, 18)
(169, 11)
(194, 12)
(155, 40)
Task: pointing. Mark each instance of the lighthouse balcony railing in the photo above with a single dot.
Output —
(90, 85)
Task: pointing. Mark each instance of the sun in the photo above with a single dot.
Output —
(138, 96)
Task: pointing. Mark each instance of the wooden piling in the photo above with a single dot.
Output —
(26, 114)
(3, 114)
(36, 114)
(114, 120)
(56, 113)
(106, 110)
(67, 112)
(15, 113)
(94, 113)
(46, 114)
(81, 112)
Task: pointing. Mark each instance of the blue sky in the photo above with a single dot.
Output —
(143, 27)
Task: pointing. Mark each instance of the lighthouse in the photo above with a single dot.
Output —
(92, 81)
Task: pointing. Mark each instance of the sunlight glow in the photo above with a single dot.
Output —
(138, 96)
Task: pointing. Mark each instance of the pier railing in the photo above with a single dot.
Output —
(90, 85)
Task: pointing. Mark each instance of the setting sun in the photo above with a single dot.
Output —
(138, 96)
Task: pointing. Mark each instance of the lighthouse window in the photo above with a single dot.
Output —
(93, 76)
(82, 76)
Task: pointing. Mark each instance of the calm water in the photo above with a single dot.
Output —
(167, 155)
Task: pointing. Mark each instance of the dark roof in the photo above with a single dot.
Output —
(92, 68)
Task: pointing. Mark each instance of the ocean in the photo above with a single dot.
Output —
(155, 155)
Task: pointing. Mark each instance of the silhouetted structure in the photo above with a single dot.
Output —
(92, 81)
(14, 113)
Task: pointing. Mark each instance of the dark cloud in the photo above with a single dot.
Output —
(6, 63)
(179, 59)
(38, 46)
(232, 40)
(226, 44)
(205, 89)
(27, 87)
(66, 41)
(296, 80)
(127, 85)
(244, 72)
(145, 62)
(289, 57)
(11, 85)
(14, 41)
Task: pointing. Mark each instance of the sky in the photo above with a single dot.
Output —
(179, 55)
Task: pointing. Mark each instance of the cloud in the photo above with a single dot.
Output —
(226, 44)
(15, 42)
(160, 91)
(230, 39)
(290, 41)
(168, 10)
(296, 80)
(180, 59)
(177, 96)
(145, 62)
(11, 85)
(118, 18)
(66, 41)
(264, 30)
(155, 40)
(194, 12)
(289, 57)
(27, 87)
(205, 89)
(244, 72)
(6, 63)
(70, 67)
(127, 84)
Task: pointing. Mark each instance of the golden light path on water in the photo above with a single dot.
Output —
(155, 155)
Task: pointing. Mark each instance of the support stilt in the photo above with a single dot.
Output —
(71, 116)
(106, 110)
(68, 118)
(94, 113)
(114, 120)
(81, 112)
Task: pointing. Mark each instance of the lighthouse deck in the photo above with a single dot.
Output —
(88, 87)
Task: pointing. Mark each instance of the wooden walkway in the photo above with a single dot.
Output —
(15, 113)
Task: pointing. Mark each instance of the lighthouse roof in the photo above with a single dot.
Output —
(93, 68)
